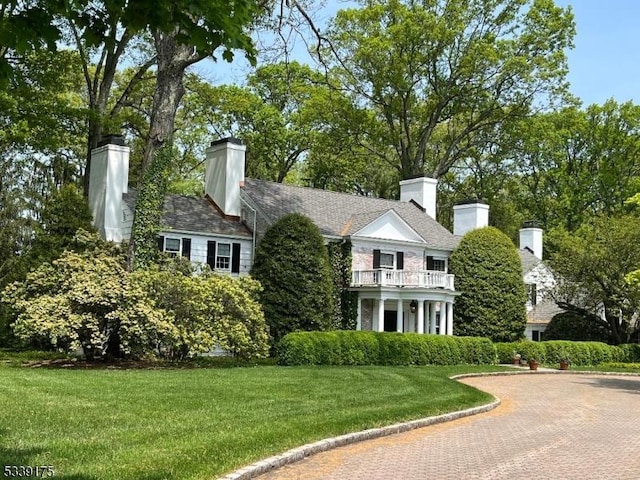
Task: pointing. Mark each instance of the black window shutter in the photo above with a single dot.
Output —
(235, 258)
(430, 265)
(211, 254)
(161, 243)
(399, 260)
(376, 259)
(186, 248)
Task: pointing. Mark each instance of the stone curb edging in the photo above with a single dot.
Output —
(300, 453)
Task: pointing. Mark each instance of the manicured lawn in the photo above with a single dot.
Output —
(201, 423)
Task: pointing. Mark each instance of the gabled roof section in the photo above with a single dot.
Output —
(335, 213)
(528, 259)
(543, 312)
(386, 225)
(193, 214)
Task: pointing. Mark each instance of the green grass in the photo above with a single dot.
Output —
(201, 423)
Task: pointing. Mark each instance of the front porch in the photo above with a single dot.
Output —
(406, 311)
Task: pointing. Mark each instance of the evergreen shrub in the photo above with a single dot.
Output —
(292, 265)
(382, 348)
(492, 301)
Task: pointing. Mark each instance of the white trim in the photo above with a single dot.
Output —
(209, 235)
(392, 216)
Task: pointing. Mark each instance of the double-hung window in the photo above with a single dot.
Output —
(223, 256)
(387, 260)
(174, 246)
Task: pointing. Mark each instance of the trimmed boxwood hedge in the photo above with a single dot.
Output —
(578, 353)
(350, 347)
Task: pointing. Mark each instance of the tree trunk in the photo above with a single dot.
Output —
(173, 59)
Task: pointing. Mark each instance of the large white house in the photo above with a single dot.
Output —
(400, 253)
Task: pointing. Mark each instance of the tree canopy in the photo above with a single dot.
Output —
(592, 263)
(436, 77)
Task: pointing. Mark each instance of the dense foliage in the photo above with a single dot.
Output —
(492, 294)
(87, 302)
(574, 327)
(577, 353)
(382, 348)
(207, 310)
(293, 267)
(592, 263)
(345, 301)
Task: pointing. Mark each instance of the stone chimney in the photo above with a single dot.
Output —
(531, 238)
(225, 175)
(469, 215)
(107, 182)
(421, 190)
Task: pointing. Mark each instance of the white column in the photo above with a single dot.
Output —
(443, 318)
(400, 318)
(381, 315)
(449, 318)
(420, 317)
(432, 318)
(359, 320)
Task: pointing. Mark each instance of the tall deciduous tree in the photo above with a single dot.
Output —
(592, 263)
(438, 75)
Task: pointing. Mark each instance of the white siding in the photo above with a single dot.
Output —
(199, 247)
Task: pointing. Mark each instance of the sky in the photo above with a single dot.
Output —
(605, 62)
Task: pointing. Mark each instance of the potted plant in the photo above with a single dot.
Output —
(516, 358)
(564, 363)
(533, 364)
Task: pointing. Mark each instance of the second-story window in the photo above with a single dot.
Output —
(436, 264)
(387, 260)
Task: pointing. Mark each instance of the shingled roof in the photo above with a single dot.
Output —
(193, 214)
(528, 259)
(340, 214)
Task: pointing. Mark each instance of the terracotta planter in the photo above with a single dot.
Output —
(564, 365)
(533, 365)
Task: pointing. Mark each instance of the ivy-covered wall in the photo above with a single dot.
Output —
(345, 302)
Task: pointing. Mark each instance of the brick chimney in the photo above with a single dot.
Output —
(469, 215)
(107, 182)
(225, 175)
(531, 238)
(421, 190)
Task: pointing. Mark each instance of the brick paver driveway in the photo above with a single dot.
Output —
(547, 427)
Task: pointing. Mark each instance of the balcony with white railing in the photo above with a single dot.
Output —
(402, 278)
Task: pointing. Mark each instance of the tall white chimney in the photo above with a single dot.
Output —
(469, 215)
(421, 190)
(107, 182)
(225, 174)
(531, 238)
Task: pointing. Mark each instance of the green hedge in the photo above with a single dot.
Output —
(578, 353)
(382, 348)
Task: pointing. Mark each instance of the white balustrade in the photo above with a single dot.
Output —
(403, 278)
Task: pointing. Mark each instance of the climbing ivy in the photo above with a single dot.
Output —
(345, 310)
(143, 248)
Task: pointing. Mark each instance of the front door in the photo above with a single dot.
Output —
(390, 321)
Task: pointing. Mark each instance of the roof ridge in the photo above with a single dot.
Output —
(332, 192)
